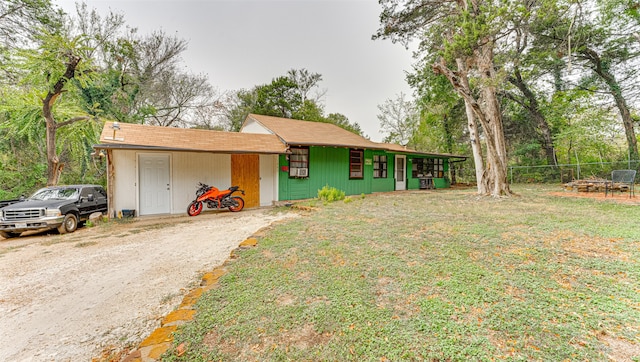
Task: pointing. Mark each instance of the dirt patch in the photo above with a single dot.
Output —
(622, 198)
(68, 297)
(620, 349)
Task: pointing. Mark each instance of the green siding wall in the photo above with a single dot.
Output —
(414, 183)
(330, 166)
(387, 183)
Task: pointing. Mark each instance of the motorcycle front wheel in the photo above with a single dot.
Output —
(238, 204)
(195, 208)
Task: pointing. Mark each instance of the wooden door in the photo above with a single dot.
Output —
(245, 172)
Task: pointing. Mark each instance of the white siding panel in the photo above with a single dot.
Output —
(187, 169)
(191, 168)
(125, 189)
(252, 126)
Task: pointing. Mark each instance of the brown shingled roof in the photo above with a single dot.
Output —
(304, 133)
(296, 132)
(135, 136)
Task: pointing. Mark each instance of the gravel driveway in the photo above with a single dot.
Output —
(69, 297)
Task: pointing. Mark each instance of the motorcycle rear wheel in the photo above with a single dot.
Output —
(238, 204)
(195, 208)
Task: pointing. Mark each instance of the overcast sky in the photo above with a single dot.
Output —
(240, 44)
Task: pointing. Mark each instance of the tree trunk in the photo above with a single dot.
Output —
(609, 78)
(487, 113)
(496, 145)
(627, 121)
(476, 146)
(54, 167)
(625, 114)
(534, 110)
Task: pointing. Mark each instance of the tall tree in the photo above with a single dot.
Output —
(286, 96)
(601, 38)
(463, 36)
(279, 98)
(139, 77)
(52, 68)
(399, 119)
(306, 82)
(530, 65)
(60, 59)
(342, 121)
(529, 101)
(442, 114)
(239, 107)
(588, 133)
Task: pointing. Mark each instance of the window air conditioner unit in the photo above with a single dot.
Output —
(302, 172)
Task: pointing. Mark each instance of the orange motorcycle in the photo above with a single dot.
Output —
(215, 199)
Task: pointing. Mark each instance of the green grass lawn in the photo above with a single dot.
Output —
(435, 275)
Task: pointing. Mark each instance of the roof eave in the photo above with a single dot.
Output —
(294, 143)
(111, 146)
(431, 154)
(441, 155)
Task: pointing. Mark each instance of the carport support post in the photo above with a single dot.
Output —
(110, 184)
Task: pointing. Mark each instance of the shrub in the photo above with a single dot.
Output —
(330, 194)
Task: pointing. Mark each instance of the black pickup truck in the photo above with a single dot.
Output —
(61, 207)
(4, 203)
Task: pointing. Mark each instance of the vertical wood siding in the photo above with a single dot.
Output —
(245, 172)
(327, 166)
(330, 166)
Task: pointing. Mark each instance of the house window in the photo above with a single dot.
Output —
(356, 163)
(424, 167)
(299, 162)
(379, 166)
(438, 167)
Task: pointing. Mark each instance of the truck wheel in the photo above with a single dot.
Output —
(8, 235)
(69, 225)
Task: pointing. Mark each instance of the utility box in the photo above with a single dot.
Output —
(128, 213)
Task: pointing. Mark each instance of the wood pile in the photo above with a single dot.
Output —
(622, 187)
(595, 185)
(588, 185)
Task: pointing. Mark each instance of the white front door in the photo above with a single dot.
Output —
(155, 186)
(401, 172)
(268, 179)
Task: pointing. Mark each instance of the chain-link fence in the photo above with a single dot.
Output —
(550, 174)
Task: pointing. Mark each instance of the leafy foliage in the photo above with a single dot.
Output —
(287, 97)
(330, 194)
(398, 119)
(76, 71)
(561, 67)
